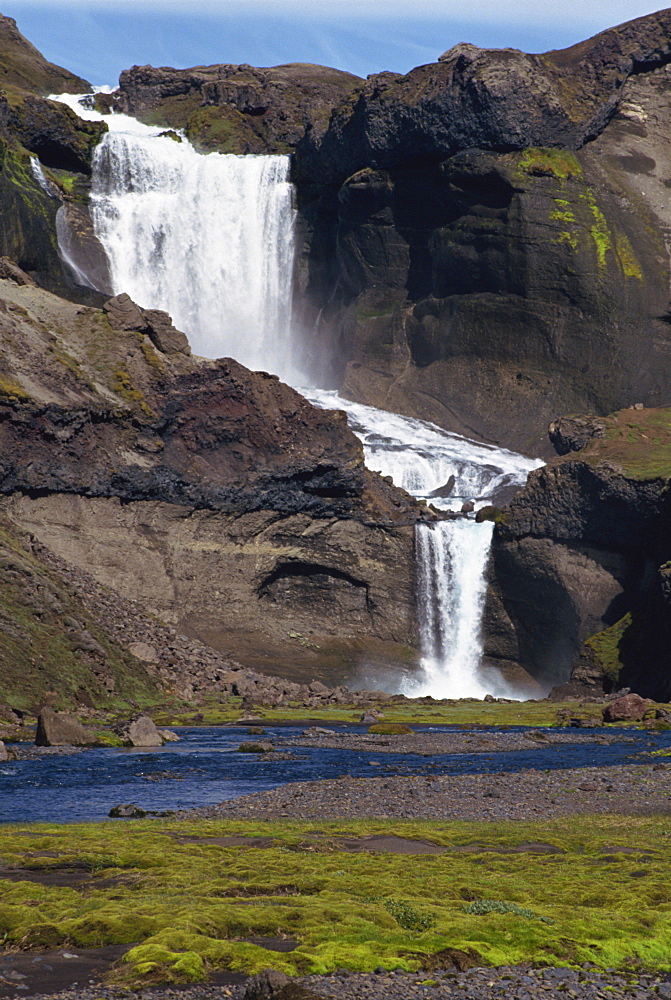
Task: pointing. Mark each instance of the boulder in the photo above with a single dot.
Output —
(265, 984)
(140, 732)
(57, 729)
(629, 708)
(4, 755)
(124, 314)
(144, 651)
(168, 736)
(257, 747)
(126, 811)
(8, 269)
(163, 335)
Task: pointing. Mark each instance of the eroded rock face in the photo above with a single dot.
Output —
(218, 497)
(238, 109)
(580, 563)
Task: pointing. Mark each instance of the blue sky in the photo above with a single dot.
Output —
(99, 38)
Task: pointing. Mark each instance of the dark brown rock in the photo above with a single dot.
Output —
(629, 708)
(164, 335)
(56, 729)
(12, 271)
(573, 433)
(266, 984)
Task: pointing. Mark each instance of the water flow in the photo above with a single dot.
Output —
(452, 555)
(210, 240)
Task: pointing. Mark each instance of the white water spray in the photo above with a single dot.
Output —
(210, 240)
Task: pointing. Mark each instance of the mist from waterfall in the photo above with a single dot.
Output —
(210, 239)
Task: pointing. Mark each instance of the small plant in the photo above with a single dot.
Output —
(407, 916)
(481, 907)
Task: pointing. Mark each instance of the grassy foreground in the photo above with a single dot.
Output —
(604, 896)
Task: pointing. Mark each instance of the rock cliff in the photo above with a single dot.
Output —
(32, 130)
(580, 562)
(479, 237)
(218, 498)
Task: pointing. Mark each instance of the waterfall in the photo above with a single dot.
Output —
(452, 557)
(209, 239)
(191, 234)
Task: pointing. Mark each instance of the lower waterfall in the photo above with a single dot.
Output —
(209, 238)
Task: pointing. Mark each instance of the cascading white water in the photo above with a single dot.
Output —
(451, 555)
(209, 239)
(202, 256)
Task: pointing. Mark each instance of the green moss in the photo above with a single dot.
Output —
(123, 385)
(11, 390)
(490, 513)
(628, 261)
(390, 729)
(220, 128)
(548, 162)
(177, 898)
(604, 648)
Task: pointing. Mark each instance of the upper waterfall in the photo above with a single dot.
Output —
(206, 237)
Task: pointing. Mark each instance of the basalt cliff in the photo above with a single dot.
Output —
(482, 242)
(580, 567)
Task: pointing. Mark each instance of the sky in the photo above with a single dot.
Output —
(98, 38)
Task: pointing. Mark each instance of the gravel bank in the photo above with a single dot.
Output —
(524, 795)
(512, 983)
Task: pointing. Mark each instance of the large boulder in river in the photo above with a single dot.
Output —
(57, 729)
(4, 755)
(140, 732)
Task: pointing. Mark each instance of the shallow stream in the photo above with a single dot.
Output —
(205, 767)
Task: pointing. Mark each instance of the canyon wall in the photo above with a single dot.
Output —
(216, 497)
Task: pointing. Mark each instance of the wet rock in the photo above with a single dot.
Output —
(4, 754)
(168, 736)
(630, 708)
(127, 811)
(266, 984)
(140, 732)
(257, 747)
(57, 729)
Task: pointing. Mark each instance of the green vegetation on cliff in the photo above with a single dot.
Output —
(638, 440)
(50, 646)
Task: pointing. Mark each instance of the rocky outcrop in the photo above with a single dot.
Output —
(218, 498)
(580, 563)
(238, 109)
(57, 729)
(34, 128)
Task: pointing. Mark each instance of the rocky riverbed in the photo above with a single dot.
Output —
(526, 795)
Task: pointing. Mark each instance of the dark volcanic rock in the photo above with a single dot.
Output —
(232, 507)
(238, 109)
(579, 564)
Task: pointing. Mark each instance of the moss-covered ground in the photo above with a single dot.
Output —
(638, 440)
(600, 893)
(214, 711)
